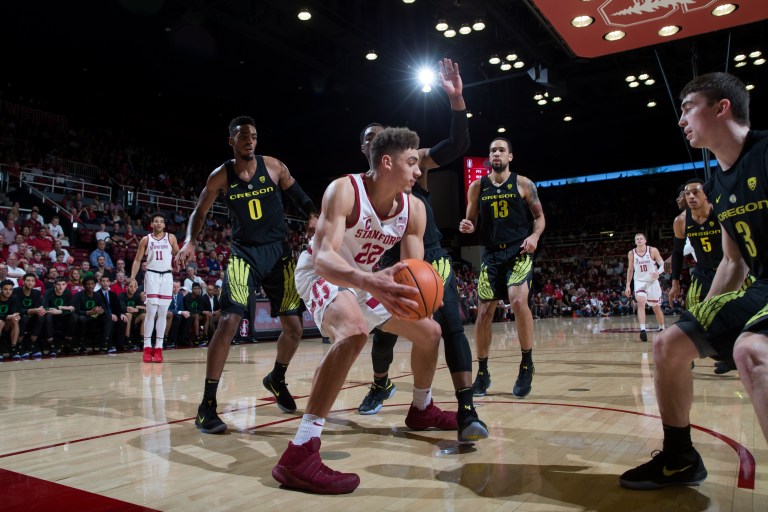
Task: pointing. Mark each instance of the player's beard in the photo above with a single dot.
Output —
(497, 168)
(247, 156)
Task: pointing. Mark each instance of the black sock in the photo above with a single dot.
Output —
(381, 382)
(482, 365)
(527, 356)
(209, 392)
(278, 372)
(464, 396)
(677, 439)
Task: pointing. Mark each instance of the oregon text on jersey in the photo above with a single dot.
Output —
(741, 210)
(499, 196)
(698, 234)
(251, 193)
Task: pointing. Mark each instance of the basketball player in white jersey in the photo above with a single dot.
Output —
(645, 264)
(362, 216)
(160, 248)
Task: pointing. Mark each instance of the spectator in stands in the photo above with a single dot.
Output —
(85, 269)
(42, 241)
(37, 265)
(103, 234)
(130, 238)
(19, 246)
(57, 232)
(14, 271)
(103, 270)
(26, 231)
(9, 232)
(141, 273)
(99, 209)
(121, 282)
(34, 221)
(213, 264)
(4, 274)
(3, 248)
(58, 247)
(101, 250)
(120, 266)
(117, 236)
(75, 283)
(50, 278)
(201, 262)
(87, 215)
(191, 278)
(179, 218)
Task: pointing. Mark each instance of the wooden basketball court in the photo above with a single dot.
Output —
(112, 433)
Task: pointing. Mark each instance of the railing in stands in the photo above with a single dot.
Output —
(157, 200)
(79, 169)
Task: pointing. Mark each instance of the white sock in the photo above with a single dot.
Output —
(422, 398)
(310, 426)
(642, 327)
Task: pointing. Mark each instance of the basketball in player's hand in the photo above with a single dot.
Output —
(422, 275)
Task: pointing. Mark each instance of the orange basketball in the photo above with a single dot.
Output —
(422, 275)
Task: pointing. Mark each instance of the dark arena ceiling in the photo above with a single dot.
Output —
(172, 73)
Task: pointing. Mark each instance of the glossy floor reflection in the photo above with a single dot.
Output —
(113, 433)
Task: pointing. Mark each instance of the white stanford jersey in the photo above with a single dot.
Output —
(365, 240)
(644, 265)
(159, 256)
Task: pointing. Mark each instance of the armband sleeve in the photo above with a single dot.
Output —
(457, 142)
(301, 199)
(677, 258)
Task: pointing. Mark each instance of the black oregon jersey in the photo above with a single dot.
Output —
(503, 213)
(256, 207)
(432, 234)
(740, 196)
(706, 240)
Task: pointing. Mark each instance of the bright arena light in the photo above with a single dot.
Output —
(426, 77)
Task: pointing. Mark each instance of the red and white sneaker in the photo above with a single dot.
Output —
(157, 355)
(301, 467)
(431, 417)
(147, 355)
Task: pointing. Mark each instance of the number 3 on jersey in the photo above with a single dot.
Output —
(369, 254)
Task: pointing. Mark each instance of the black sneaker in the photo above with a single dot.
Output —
(470, 426)
(482, 383)
(643, 335)
(722, 367)
(524, 380)
(375, 398)
(207, 420)
(663, 471)
(283, 397)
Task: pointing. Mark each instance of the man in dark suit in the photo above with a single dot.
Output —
(211, 310)
(114, 330)
(179, 332)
